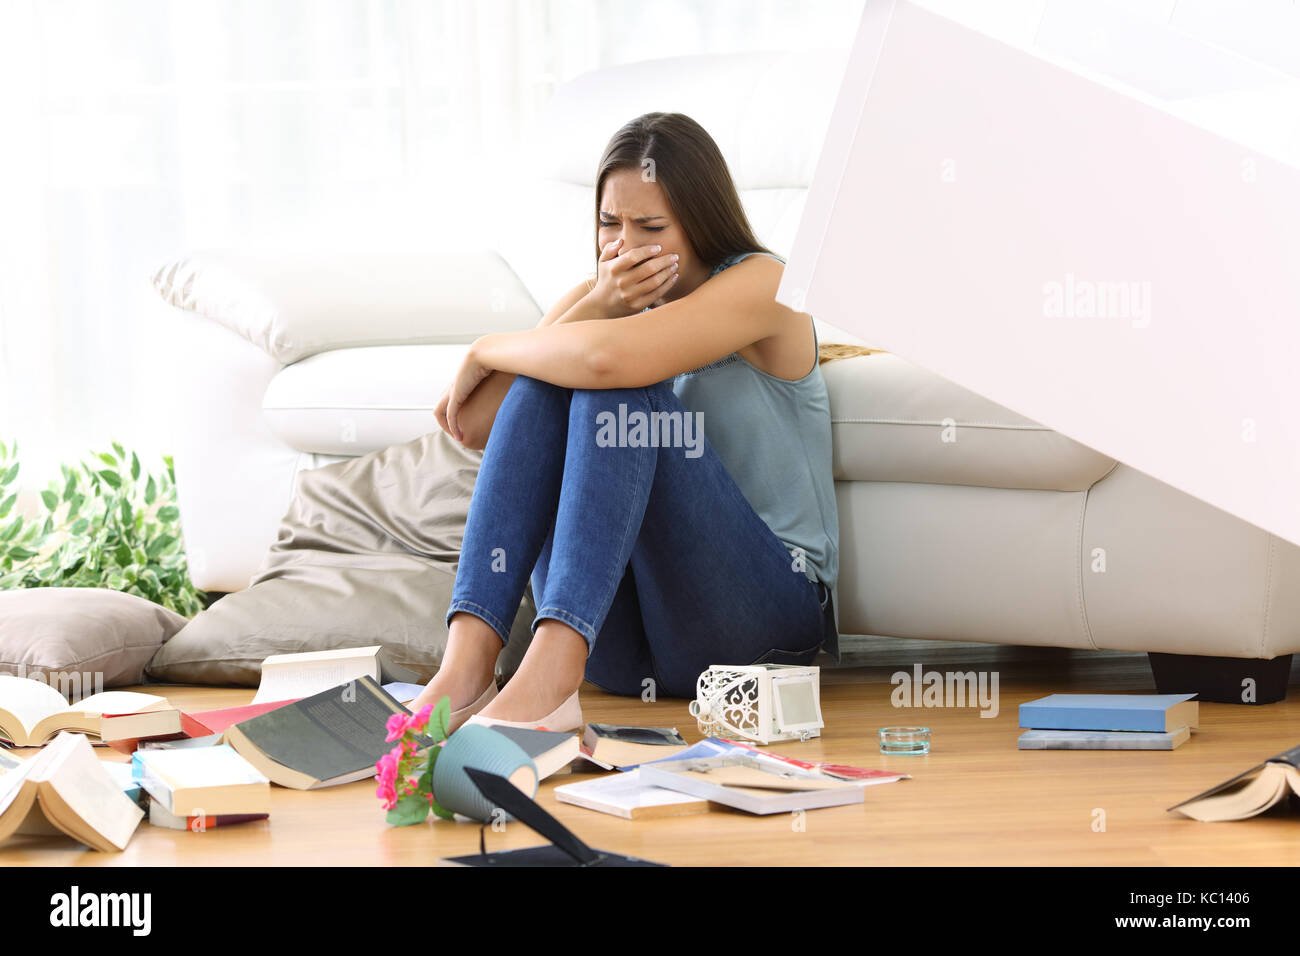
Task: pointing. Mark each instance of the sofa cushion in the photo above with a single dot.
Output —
(68, 633)
(295, 304)
(358, 400)
(894, 421)
(366, 555)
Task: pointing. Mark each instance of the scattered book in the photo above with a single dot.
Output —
(160, 816)
(204, 728)
(550, 750)
(626, 795)
(120, 771)
(619, 747)
(202, 782)
(179, 742)
(403, 692)
(1102, 739)
(125, 732)
(1250, 793)
(295, 676)
(862, 776)
(752, 782)
(330, 738)
(32, 712)
(65, 789)
(1152, 713)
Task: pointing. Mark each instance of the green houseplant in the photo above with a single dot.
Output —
(107, 524)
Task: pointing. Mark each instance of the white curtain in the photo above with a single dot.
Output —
(136, 130)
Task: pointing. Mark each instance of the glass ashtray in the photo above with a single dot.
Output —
(905, 740)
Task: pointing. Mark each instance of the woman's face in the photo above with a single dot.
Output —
(638, 212)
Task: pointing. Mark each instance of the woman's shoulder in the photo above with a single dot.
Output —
(731, 260)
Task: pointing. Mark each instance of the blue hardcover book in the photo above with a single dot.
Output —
(1153, 713)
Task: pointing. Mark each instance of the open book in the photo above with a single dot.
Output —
(1248, 794)
(751, 782)
(31, 711)
(66, 789)
(330, 738)
(295, 676)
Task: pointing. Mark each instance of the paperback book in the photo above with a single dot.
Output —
(32, 712)
(330, 738)
(1102, 739)
(66, 790)
(203, 782)
(1250, 793)
(1150, 713)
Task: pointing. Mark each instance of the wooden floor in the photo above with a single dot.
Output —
(975, 799)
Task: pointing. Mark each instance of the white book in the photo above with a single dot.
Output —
(752, 783)
(66, 789)
(626, 795)
(32, 712)
(403, 692)
(1102, 739)
(294, 676)
(207, 781)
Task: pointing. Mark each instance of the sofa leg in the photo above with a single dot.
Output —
(1223, 680)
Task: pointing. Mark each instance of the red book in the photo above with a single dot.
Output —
(840, 770)
(160, 816)
(226, 717)
(203, 723)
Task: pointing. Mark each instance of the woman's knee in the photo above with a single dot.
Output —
(609, 398)
(526, 385)
(537, 397)
(588, 402)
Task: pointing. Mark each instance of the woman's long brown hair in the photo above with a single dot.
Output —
(679, 154)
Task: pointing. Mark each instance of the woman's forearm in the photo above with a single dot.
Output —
(570, 354)
(477, 415)
(480, 411)
(581, 311)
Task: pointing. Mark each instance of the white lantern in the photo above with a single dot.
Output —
(760, 702)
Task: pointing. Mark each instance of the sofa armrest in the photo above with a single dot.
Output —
(295, 305)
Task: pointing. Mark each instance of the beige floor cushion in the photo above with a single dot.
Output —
(366, 555)
(95, 637)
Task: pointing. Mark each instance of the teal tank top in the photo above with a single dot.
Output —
(774, 437)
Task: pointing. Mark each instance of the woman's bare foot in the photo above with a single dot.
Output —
(548, 675)
(468, 663)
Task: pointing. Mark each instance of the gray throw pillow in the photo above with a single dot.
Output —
(365, 555)
(95, 636)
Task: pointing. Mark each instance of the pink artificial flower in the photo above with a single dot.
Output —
(397, 725)
(421, 718)
(386, 772)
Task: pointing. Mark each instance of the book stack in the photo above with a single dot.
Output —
(1108, 721)
(197, 789)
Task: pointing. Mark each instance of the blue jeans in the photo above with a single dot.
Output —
(652, 554)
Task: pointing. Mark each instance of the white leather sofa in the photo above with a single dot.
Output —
(959, 519)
